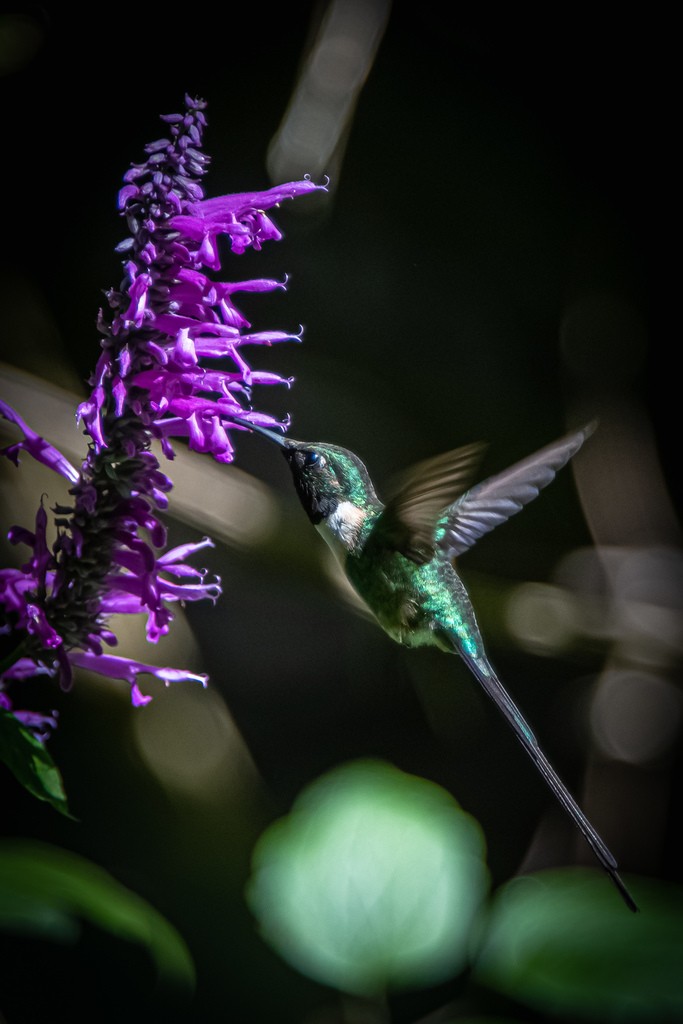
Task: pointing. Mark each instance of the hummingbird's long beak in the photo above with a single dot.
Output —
(279, 440)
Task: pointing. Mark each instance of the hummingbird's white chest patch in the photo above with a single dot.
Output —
(341, 528)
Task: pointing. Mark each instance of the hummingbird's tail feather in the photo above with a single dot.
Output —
(497, 692)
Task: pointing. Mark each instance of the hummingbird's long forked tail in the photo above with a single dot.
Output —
(499, 695)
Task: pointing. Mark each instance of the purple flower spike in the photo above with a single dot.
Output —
(162, 329)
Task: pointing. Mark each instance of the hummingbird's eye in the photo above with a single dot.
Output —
(311, 459)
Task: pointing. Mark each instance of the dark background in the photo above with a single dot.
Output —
(501, 167)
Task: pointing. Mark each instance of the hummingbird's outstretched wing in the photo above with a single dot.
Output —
(494, 500)
(407, 521)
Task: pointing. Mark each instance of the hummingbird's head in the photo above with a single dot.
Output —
(325, 475)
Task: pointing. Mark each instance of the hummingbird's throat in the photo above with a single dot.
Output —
(341, 528)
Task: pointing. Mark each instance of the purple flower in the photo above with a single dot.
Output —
(36, 446)
(161, 329)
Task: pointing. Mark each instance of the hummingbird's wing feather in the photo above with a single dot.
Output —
(494, 500)
(408, 519)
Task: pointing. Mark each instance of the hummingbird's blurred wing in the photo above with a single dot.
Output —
(494, 500)
(419, 497)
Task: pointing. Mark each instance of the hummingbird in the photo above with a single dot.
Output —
(400, 558)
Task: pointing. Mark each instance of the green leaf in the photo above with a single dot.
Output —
(372, 881)
(47, 891)
(563, 942)
(30, 762)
